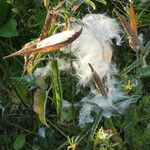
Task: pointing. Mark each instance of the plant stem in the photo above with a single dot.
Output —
(116, 137)
(66, 136)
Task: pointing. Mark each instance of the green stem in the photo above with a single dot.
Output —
(144, 62)
(116, 137)
(66, 136)
(93, 130)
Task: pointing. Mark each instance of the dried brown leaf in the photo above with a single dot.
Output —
(48, 20)
(133, 24)
(130, 32)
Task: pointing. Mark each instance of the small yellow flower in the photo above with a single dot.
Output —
(72, 143)
(103, 134)
(128, 86)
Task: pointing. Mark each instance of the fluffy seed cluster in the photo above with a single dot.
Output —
(94, 46)
(115, 104)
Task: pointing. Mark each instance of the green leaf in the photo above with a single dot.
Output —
(132, 66)
(20, 89)
(20, 141)
(56, 85)
(9, 29)
(94, 127)
(102, 1)
(4, 9)
(145, 72)
(67, 114)
(147, 48)
(53, 28)
(130, 120)
(39, 106)
(89, 2)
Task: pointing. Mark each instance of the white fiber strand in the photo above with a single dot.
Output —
(94, 46)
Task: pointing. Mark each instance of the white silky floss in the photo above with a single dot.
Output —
(94, 46)
(56, 38)
(116, 103)
(41, 132)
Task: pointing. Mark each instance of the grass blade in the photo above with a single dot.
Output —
(94, 127)
(145, 72)
(147, 48)
(132, 66)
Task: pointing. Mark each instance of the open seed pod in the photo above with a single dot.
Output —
(51, 43)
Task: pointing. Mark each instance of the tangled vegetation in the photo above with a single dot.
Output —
(44, 98)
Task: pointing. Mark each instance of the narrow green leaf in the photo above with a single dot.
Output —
(39, 106)
(145, 72)
(102, 1)
(116, 136)
(94, 127)
(53, 27)
(147, 48)
(9, 29)
(132, 66)
(20, 141)
(89, 2)
(98, 117)
(21, 90)
(131, 118)
(57, 89)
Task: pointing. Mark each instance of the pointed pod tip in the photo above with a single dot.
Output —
(8, 56)
(92, 69)
(5, 57)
